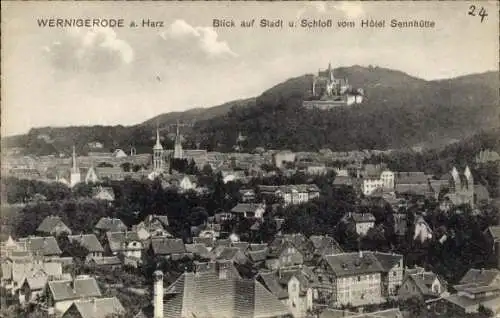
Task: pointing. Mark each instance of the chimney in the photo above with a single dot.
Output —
(158, 294)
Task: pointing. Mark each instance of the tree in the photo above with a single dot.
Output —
(126, 166)
(207, 170)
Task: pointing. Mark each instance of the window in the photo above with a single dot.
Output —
(394, 273)
(359, 278)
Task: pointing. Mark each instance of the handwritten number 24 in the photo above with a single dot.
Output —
(482, 13)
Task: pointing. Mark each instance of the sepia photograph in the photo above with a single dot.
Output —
(250, 159)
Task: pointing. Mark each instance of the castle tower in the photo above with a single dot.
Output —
(158, 153)
(457, 184)
(158, 294)
(178, 152)
(75, 171)
(468, 176)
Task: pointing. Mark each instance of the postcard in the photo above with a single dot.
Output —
(250, 159)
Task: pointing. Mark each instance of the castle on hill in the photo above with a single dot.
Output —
(329, 91)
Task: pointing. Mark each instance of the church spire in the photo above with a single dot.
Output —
(178, 152)
(158, 145)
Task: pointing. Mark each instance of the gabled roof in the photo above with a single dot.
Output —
(89, 241)
(116, 240)
(257, 255)
(46, 246)
(242, 246)
(424, 281)
(206, 295)
(246, 207)
(198, 249)
(388, 260)
(325, 245)
(167, 246)
(106, 260)
(110, 224)
(74, 289)
(480, 276)
(50, 223)
(97, 307)
(106, 193)
(207, 241)
(362, 217)
(348, 264)
(271, 282)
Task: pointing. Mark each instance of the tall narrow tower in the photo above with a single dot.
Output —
(158, 294)
(158, 153)
(178, 152)
(74, 177)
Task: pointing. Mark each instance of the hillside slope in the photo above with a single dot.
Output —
(399, 110)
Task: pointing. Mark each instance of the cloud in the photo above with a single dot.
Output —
(182, 38)
(351, 9)
(97, 50)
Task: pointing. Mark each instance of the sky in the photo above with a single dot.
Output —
(110, 76)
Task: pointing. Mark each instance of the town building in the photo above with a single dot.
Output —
(362, 221)
(62, 294)
(107, 224)
(422, 284)
(353, 279)
(95, 308)
(53, 225)
(294, 287)
(479, 287)
(212, 292)
(329, 92)
(126, 243)
(291, 194)
(90, 243)
(248, 210)
(169, 248)
(423, 231)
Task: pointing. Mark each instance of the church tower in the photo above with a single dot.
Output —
(158, 153)
(178, 152)
(75, 171)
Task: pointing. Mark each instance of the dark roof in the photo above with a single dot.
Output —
(116, 240)
(414, 177)
(480, 276)
(46, 246)
(246, 207)
(206, 295)
(106, 260)
(348, 264)
(258, 255)
(198, 249)
(89, 241)
(388, 260)
(167, 246)
(424, 281)
(242, 246)
(270, 281)
(109, 224)
(325, 245)
(50, 223)
(207, 241)
(362, 217)
(74, 289)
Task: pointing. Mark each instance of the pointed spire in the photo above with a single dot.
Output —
(158, 145)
